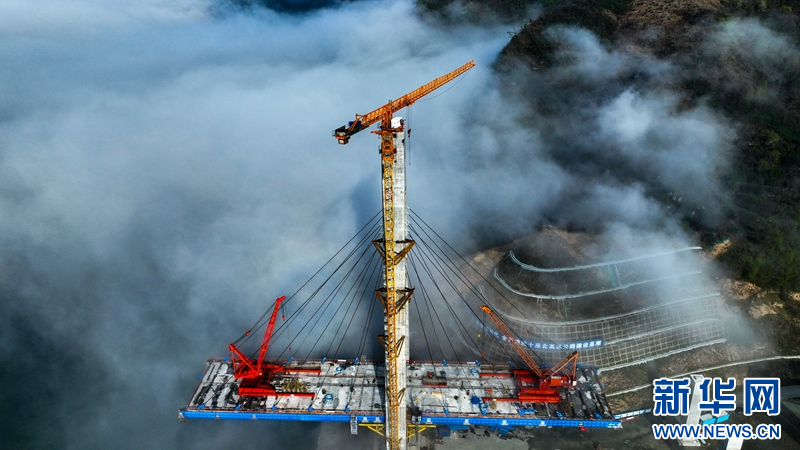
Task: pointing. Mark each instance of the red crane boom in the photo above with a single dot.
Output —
(245, 368)
(268, 332)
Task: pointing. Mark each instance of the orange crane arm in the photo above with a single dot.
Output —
(572, 358)
(513, 341)
(343, 133)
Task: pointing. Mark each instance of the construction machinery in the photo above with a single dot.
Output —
(385, 112)
(394, 246)
(398, 396)
(256, 375)
(535, 384)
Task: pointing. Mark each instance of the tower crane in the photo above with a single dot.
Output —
(385, 112)
(537, 385)
(393, 248)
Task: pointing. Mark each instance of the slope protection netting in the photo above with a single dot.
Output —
(616, 313)
(625, 339)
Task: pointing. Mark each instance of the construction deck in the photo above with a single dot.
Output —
(454, 394)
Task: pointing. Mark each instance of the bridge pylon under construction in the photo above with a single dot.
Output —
(399, 396)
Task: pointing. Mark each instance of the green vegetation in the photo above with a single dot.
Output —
(761, 94)
(765, 182)
(599, 17)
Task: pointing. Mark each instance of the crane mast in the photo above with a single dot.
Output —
(394, 246)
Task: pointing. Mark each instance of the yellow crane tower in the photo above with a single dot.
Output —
(393, 248)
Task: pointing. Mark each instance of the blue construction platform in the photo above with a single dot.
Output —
(451, 394)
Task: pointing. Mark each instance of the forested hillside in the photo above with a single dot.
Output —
(739, 59)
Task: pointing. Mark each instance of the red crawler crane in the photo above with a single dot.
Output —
(536, 385)
(256, 375)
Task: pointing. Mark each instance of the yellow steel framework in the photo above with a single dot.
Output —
(413, 429)
(393, 301)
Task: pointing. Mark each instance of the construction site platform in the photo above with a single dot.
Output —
(454, 394)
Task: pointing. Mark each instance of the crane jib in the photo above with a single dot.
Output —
(343, 133)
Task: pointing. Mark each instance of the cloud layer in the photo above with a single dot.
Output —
(167, 170)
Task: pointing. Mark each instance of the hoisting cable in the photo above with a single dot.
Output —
(326, 303)
(445, 91)
(408, 136)
(451, 263)
(532, 323)
(466, 332)
(429, 305)
(296, 314)
(430, 252)
(262, 320)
